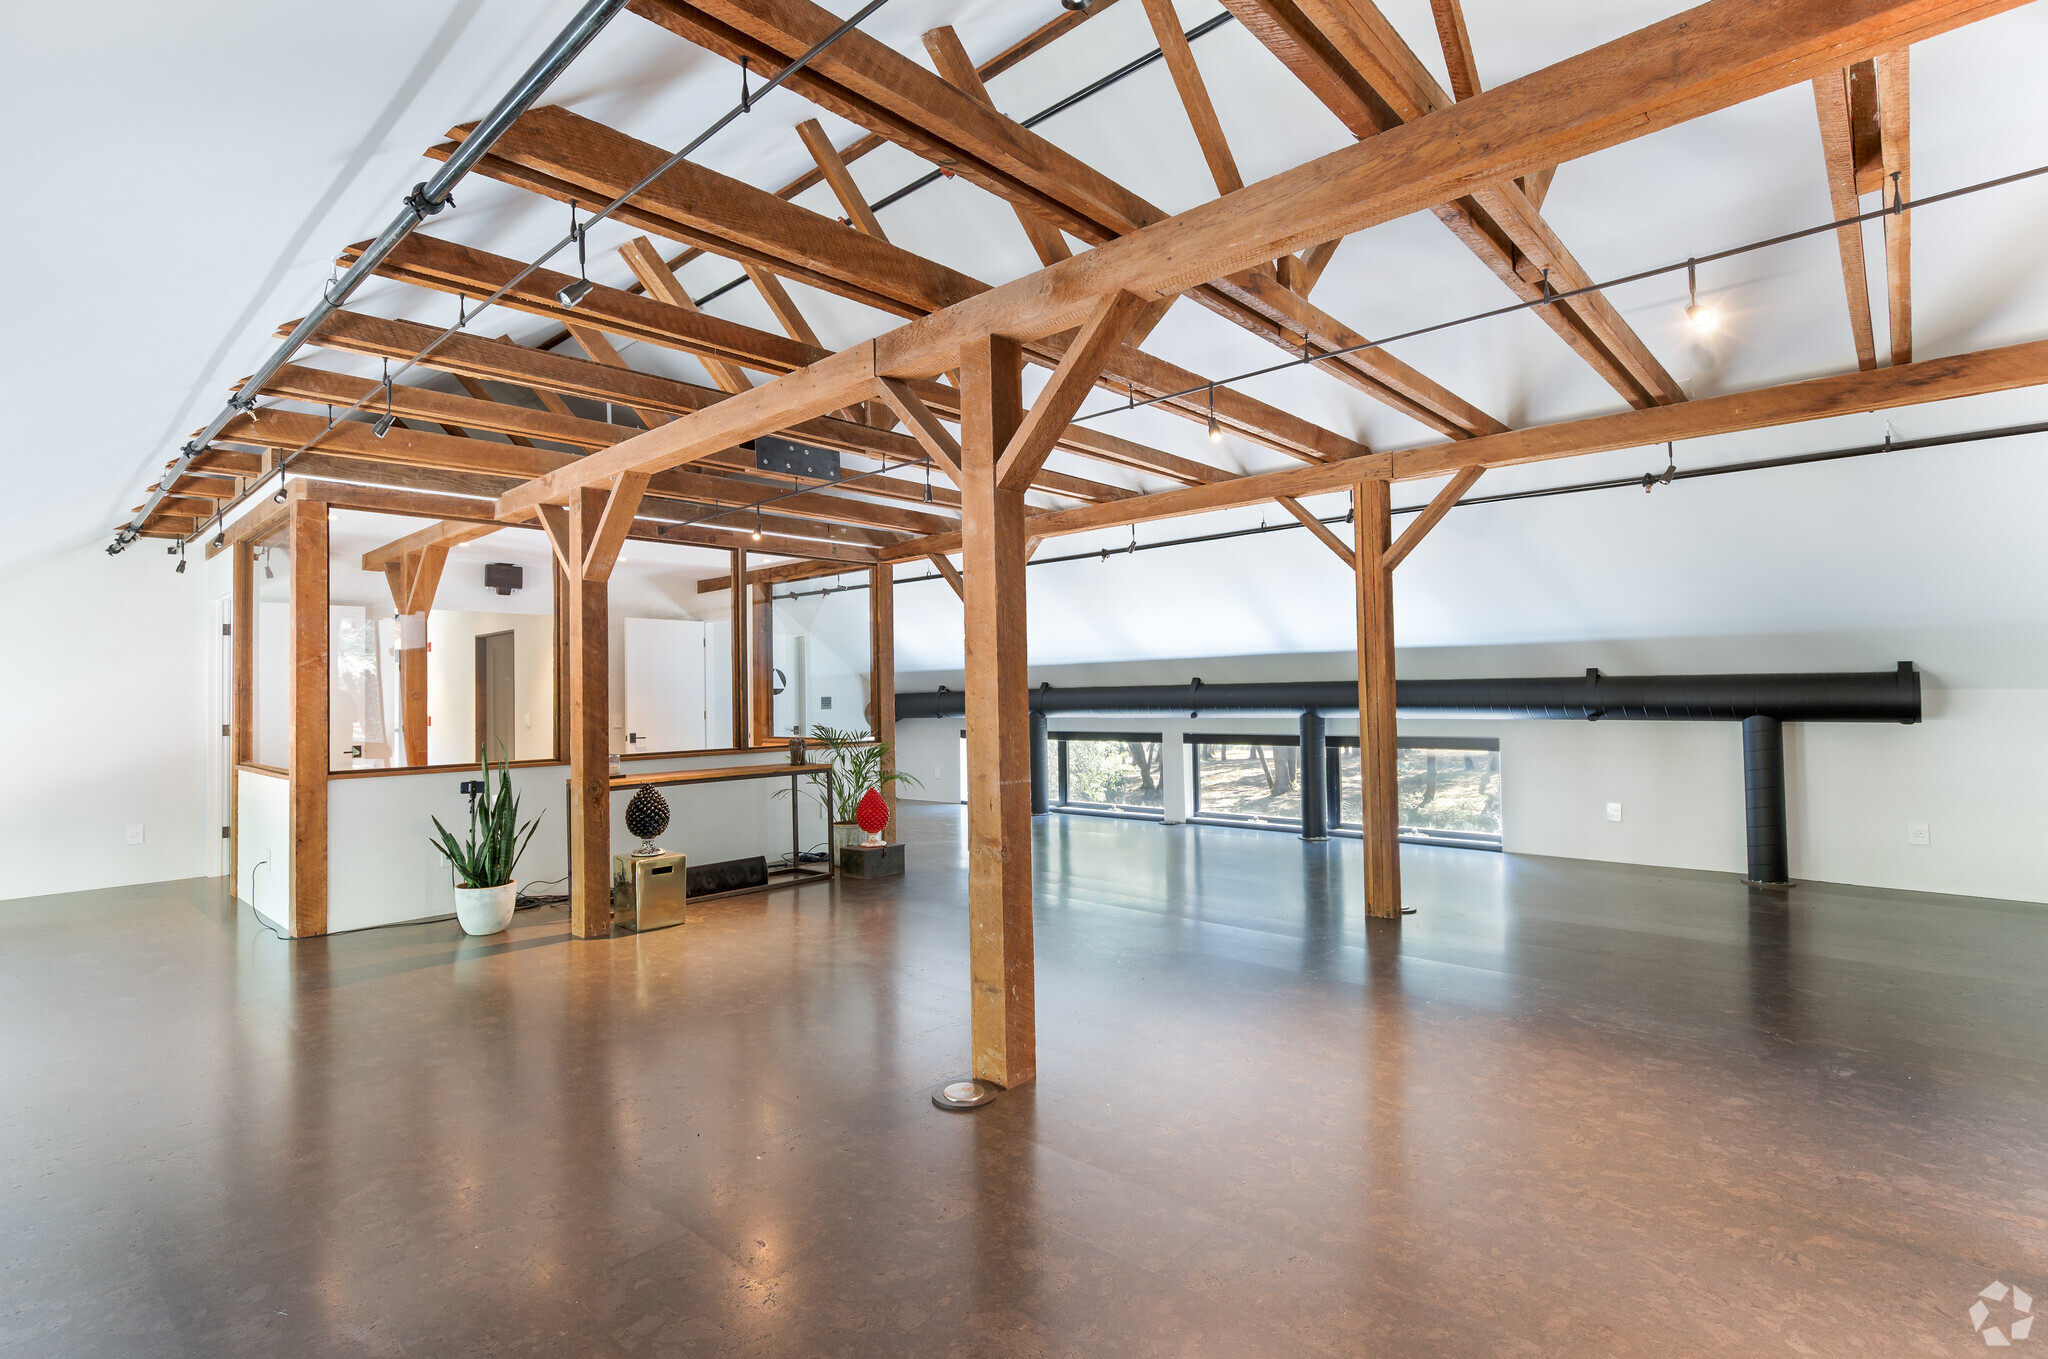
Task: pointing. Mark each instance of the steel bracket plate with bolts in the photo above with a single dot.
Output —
(793, 459)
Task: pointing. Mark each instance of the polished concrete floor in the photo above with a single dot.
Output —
(1568, 1109)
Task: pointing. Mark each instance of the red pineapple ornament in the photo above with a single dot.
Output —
(872, 815)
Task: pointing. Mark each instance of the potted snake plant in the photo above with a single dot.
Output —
(485, 894)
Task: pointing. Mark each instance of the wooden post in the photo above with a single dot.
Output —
(882, 675)
(760, 623)
(241, 650)
(590, 803)
(309, 735)
(998, 719)
(562, 663)
(1378, 744)
(742, 710)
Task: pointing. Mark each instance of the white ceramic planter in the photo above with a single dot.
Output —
(486, 910)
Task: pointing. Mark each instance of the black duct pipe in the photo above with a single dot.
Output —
(1313, 779)
(1867, 696)
(1763, 797)
(1039, 802)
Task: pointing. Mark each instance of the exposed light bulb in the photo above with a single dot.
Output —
(1703, 317)
(757, 535)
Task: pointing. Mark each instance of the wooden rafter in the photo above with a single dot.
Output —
(867, 82)
(660, 282)
(1893, 101)
(1831, 102)
(833, 167)
(1627, 89)
(1194, 95)
(1353, 60)
(959, 70)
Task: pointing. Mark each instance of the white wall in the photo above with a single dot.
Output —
(105, 692)
(263, 845)
(382, 869)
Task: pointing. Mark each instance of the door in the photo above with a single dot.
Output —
(666, 689)
(495, 735)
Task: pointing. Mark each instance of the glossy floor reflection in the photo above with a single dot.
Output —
(1569, 1109)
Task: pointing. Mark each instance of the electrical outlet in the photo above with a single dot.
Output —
(135, 835)
(1614, 811)
(1916, 833)
(529, 721)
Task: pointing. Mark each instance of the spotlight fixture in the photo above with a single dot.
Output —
(1077, 6)
(927, 479)
(279, 497)
(268, 574)
(757, 521)
(181, 557)
(1215, 430)
(385, 421)
(575, 292)
(1703, 317)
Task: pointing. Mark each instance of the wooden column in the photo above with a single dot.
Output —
(742, 710)
(243, 645)
(998, 719)
(562, 662)
(242, 679)
(760, 622)
(882, 674)
(590, 804)
(1378, 744)
(413, 580)
(309, 734)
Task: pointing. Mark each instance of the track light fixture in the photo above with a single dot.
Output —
(757, 521)
(268, 574)
(1703, 317)
(1077, 6)
(279, 497)
(385, 421)
(181, 556)
(1215, 430)
(580, 289)
(927, 479)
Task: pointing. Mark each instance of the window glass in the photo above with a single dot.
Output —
(270, 656)
(818, 664)
(1450, 790)
(1249, 779)
(473, 667)
(1109, 771)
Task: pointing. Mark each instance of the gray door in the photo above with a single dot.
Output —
(494, 705)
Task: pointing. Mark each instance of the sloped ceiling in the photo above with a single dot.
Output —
(190, 171)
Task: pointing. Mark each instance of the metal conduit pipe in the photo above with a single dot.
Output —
(426, 199)
(1761, 703)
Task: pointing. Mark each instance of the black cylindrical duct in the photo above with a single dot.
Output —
(1038, 798)
(1870, 696)
(1763, 796)
(1314, 782)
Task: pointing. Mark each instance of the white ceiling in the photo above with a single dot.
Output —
(195, 168)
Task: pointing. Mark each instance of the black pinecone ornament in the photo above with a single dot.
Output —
(647, 817)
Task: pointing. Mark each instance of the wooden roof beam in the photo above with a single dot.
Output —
(1358, 65)
(865, 81)
(1831, 102)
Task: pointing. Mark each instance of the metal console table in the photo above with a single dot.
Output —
(796, 869)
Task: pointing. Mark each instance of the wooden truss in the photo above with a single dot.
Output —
(572, 437)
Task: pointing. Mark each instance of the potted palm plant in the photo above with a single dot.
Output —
(485, 895)
(859, 763)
